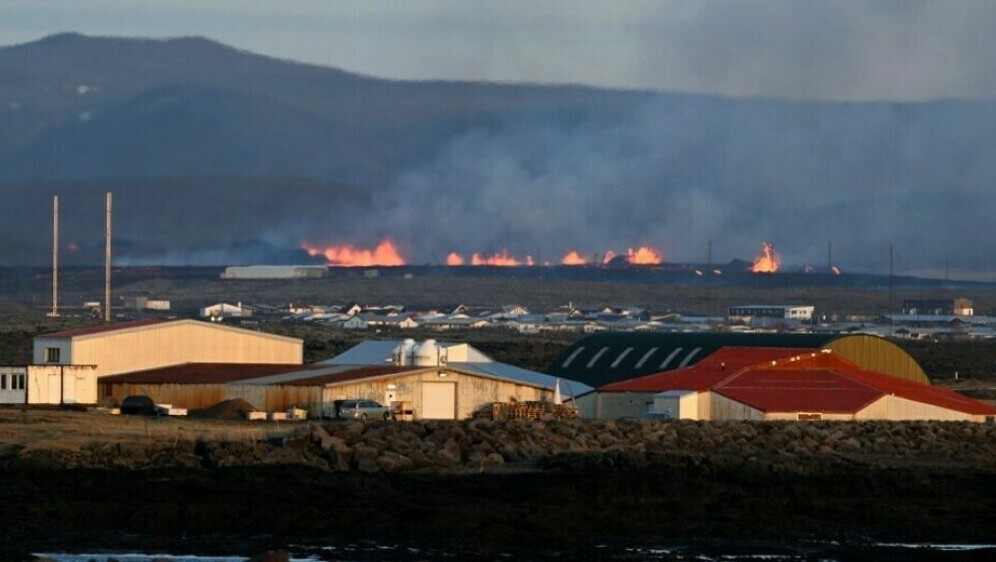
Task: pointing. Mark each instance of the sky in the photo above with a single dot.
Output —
(800, 49)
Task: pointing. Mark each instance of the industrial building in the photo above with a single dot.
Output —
(769, 315)
(756, 376)
(784, 384)
(426, 380)
(67, 365)
(275, 272)
(608, 357)
(146, 344)
(938, 307)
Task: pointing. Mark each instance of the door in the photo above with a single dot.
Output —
(438, 401)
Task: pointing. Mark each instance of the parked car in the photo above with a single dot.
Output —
(138, 405)
(361, 410)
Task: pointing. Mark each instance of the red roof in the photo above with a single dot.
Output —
(709, 371)
(928, 394)
(222, 373)
(205, 373)
(796, 380)
(798, 390)
(101, 328)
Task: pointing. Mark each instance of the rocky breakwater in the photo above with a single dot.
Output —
(482, 445)
(518, 482)
(487, 446)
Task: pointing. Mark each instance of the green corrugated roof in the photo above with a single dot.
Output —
(614, 356)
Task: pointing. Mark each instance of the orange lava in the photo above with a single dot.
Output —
(347, 255)
(502, 258)
(644, 255)
(768, 262)
(573, 258)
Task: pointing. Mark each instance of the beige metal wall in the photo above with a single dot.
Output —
(173, 343)
(878, 354)
(722, 408)
(61, 384)
(472, 392)
(901, 409)
(190, 396)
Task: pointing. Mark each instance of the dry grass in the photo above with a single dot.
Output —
(71, 430)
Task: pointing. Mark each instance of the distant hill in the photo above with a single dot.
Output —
(221, 156)
(87, 107)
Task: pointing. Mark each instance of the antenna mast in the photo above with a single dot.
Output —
(107, 263)
(55, 257)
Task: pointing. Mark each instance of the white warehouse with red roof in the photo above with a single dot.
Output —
(758, 377)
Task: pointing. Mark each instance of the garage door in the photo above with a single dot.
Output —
(438, 401)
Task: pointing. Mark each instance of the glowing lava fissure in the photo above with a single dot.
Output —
(386, 253)
(768, 261)
(347, 255)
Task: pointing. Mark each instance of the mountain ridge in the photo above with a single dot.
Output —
(442, 166)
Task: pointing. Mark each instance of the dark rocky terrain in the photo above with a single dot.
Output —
(489, 487)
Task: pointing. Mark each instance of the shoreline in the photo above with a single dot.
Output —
(559, 485)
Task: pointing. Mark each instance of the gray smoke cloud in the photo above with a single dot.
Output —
(677, 172)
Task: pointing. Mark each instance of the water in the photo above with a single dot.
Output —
(807, 552)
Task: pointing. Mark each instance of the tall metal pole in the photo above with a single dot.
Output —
(107, 263)
(890, 278)
(55, 256)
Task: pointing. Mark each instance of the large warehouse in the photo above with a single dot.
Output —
(430, 380)
(756, 376)
(67, 365)
(147, 344)
(737, 383)
(609, 357)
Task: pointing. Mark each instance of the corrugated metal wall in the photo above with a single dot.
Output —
(62, 384)
(181, 342)
(878, 354)
(271, 398)
(722, 408)
(472, 392)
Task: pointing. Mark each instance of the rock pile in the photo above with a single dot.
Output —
(571, 445)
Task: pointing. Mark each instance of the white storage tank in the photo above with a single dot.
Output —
(427, 354)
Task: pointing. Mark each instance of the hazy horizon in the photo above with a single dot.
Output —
(886, 50)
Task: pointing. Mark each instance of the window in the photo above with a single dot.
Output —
(52, 354)
(645, 357)
(621, 357)
(3, 382)
(17, 383)
(597, 356)
(567, 361)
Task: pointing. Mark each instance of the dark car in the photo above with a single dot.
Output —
(138, 406)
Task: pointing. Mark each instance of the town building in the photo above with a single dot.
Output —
(275, 272)
(769, 315)
(938, 307)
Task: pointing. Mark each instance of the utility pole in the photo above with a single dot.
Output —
(55, 257)
(107, 263)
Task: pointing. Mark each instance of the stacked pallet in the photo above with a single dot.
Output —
(526, 411)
